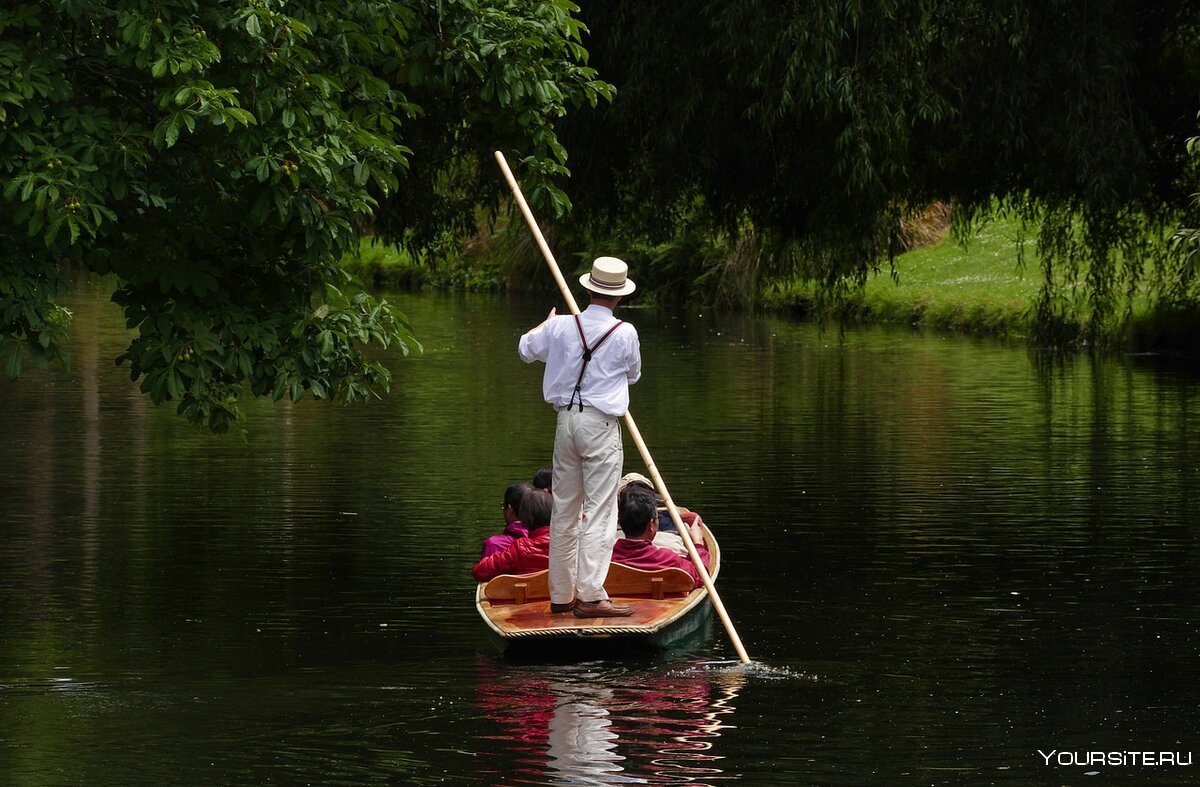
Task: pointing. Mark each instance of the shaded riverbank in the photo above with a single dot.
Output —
(988, 287)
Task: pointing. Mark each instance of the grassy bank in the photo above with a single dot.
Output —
(384, 267)
(981, 288)
(977, 289)
(985, 288)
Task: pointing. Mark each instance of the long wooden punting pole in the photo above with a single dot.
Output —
(629, 423)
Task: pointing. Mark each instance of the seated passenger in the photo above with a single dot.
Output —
(523, 555)
(639, 520)
(542, 479)
(667, 536)
(514, 528)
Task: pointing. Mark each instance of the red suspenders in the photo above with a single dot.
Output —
(587, 356)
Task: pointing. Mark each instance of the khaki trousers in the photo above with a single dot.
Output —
(588, 458)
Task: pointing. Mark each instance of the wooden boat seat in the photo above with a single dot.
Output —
(518, 588)
(621, 581)
(626, 581)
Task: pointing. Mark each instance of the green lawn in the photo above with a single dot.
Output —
(979, 288)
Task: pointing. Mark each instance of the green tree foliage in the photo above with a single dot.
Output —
(220, 158)
(500, 81)
(820, 124)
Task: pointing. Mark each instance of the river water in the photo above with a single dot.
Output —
(944, 555)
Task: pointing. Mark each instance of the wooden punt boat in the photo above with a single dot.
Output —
(667, 608)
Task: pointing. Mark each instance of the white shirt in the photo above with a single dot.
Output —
(613, 368)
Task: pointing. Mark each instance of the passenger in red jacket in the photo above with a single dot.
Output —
(514, 528)
(524, 555)
(637, 516)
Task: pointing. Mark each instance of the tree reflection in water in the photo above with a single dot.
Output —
(609, 723)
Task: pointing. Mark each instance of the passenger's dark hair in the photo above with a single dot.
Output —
(634, 512)
(542, 478)
(535, 510)
(639, 487)
(514, 494)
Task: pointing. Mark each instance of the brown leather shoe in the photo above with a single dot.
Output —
(601, 609)
(556, 609)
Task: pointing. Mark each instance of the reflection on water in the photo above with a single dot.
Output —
(582, 742)
(595, 723)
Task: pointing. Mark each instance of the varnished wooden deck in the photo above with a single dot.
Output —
(651, 617)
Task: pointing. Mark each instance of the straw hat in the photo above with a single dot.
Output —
(629, 478)
(609, 276)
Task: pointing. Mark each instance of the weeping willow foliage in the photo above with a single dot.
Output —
(817, 128)
(1179, 283)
